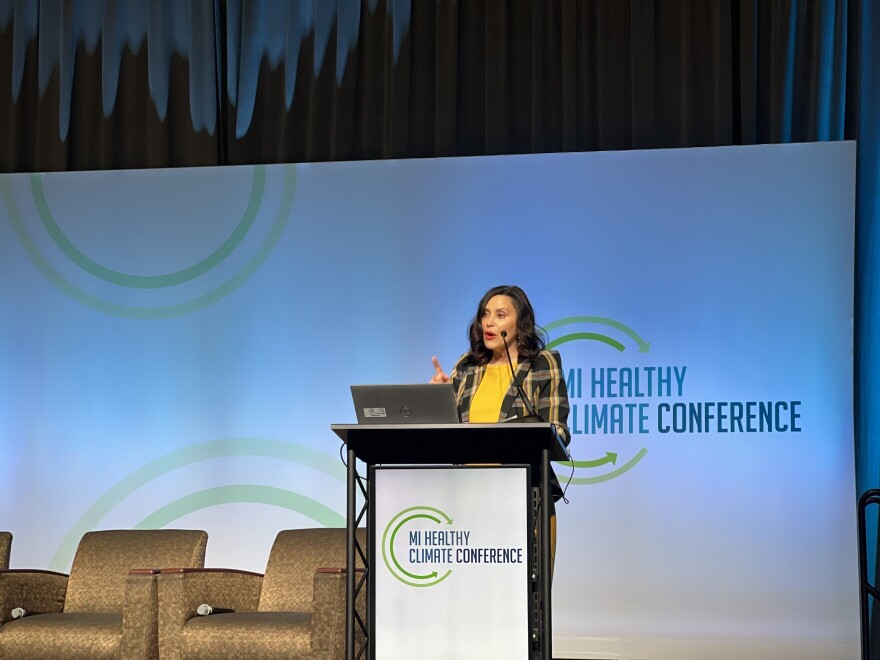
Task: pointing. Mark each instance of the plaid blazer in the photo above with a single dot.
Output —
(542, 380)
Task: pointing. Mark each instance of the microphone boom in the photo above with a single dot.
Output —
(532, 416)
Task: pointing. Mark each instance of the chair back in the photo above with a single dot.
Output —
(5, 546)
(103, 560)
(295, 556)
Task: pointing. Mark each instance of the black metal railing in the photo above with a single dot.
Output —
(866, 589)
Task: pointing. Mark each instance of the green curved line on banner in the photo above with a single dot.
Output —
(580, 481)
(151, 313)
(242, 493)
(73, 253)
(425, 584)
(391, 546)
(610, 457)
(644, 346)
(416, 508)
(203, 451)
(587, 335)
(403, 513)
(385, 545)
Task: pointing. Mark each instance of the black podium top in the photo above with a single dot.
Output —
(440, 444)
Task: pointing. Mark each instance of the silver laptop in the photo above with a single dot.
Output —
(424, 403)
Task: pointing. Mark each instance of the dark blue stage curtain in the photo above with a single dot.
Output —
(867, 285)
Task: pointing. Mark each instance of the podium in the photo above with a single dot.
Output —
(448, 447)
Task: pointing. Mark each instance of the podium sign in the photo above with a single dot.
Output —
(451, 553)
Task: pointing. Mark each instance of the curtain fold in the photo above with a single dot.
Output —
(114, 84)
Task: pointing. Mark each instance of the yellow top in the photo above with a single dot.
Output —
(486, 404)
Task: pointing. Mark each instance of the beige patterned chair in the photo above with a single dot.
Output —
(106, 608)
(295, 610)
(5, 546)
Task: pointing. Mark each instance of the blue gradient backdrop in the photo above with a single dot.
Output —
(204, 399)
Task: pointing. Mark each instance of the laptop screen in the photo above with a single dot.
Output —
(423, 403)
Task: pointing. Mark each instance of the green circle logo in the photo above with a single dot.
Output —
(599, 330)
(81, 277)
(398, 525)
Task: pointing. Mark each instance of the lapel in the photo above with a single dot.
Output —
(523, 376)
(471, 383)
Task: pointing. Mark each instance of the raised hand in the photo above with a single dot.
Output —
(439, 375)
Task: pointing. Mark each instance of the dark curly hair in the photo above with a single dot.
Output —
(530, 338)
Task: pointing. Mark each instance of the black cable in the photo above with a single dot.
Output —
(558, 428)
(342, 458)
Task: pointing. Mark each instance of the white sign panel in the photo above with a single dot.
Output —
(451, 563)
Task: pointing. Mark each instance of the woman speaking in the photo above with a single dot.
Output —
(485, 378)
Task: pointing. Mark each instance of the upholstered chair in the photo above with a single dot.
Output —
(106, 608)
(295, 610)
(5, 546)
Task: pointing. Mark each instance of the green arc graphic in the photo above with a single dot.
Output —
(433, 574)
(610, 457)
(287, 451)
(644, 346)
(151, 313)
(242, 493)
(587, 335)
(73, 253)
(609, 475)
(388, 546)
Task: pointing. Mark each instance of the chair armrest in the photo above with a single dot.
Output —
(182, 590)
(140, 614)
(38, 592)
(328, 612)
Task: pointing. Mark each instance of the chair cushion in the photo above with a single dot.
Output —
(80, 636)
(295, 556)
(103, 560)
(264, 635)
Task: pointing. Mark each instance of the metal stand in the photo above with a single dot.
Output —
(356, 588)
(545, 577)
(866, 589)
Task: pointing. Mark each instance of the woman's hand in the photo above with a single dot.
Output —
(439, 375)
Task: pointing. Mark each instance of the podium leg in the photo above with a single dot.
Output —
(357, 580)
(546, 606)
(351, 526)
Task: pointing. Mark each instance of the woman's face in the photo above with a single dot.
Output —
(499, 314)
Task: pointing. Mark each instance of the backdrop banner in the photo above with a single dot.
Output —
(175, 344)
